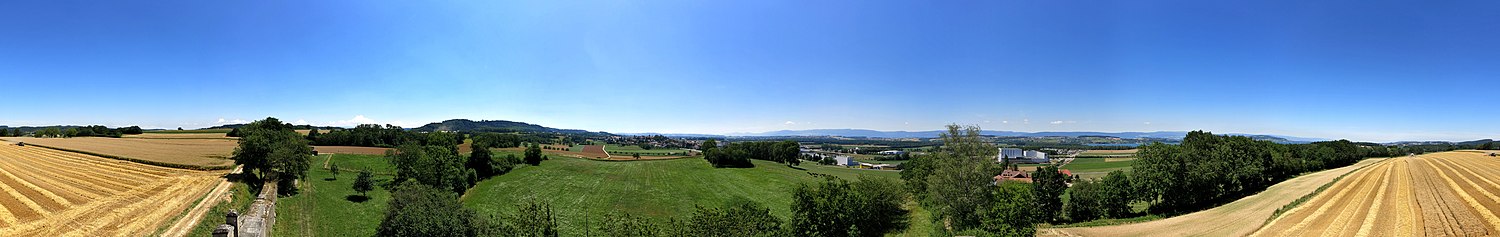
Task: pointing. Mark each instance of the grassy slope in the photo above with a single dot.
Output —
(322, 207)
(582, 190)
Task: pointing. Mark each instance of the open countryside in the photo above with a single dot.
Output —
(749, 118)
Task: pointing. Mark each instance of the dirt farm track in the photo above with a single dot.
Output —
(45, 192)
(1442, 194)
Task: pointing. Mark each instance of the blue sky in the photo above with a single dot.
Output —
(1363, 70)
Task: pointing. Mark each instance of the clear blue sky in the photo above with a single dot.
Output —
(1364, 70)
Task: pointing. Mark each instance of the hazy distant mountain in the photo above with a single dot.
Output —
(934, 133)
(465, 125)
(669, 134)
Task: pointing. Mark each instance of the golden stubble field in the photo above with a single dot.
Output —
(45, 192)
(196, 152)
(1441, 194)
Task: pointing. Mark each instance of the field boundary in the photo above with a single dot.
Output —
(1289, 206)
(147, 162)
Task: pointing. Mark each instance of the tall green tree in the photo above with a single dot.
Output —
(334, 169)
(435, 166)
(480, 161)
(1049, 184)
(312, 135)
(1011, 212)
(835, 206)
(273, 150)
(534, 154)
(1116, 195)
(364, 183)
(961, 178)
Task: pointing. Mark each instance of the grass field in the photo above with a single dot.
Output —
(187, 152)
(1237, 218)
(580, 189)
(1440, 194)
(325, 207)
(1096, 167)
(55, 193)
(351, 150)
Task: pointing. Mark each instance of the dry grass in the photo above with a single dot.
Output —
(1237, 218)
(1442, 194)
(56, 193)
(192, 152)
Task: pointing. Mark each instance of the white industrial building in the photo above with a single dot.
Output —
(845, 161)
(1021, 156)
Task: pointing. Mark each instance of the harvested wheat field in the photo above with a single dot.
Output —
(45, 192)
(180, 136)
(1238, 218)
(195, 153)
(1441, 194)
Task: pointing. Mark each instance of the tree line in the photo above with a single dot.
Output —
(738, 154)
(85, 131)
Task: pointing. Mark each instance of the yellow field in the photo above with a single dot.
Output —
(180, 136)
(45, 192)
(1441, 194)
(196, 152)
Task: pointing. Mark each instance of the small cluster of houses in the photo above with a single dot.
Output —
(1021, 176)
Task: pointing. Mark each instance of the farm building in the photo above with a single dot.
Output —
(1012, 175)
(892, 152)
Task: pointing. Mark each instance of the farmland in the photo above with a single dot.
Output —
(330, 207)
(189, 153)
(54, 193)
(1237, 218)
(1441, 194)
(1096, 167)
(582, 190)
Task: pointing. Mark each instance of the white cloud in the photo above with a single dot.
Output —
(1005, 121)
(1062, 122)
(223, 121)
(300, 122)
(789, 123)
(1026, 121)
(357, 120)
(1057, 122)
(1148, 122)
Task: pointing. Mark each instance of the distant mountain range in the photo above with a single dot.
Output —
(934, 133)
(465, 125)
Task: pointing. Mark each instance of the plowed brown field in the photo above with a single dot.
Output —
(1440, 194)
(45, 192)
